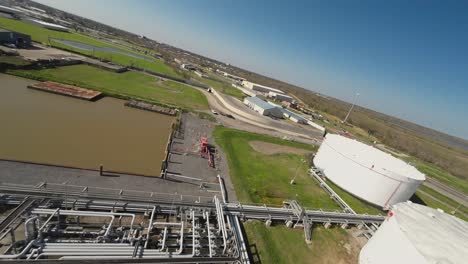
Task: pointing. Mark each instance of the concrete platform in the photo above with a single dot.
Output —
(12, 172)
(185, 158)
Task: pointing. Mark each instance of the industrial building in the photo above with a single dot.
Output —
(263, 107)
(366, 172)
(260, 88)
(15, 38)
(48, 25)
(294, 117)
(233, 77)
(280, 97)
(417, 234)
(188, 67)
(9, 10)
(199, 74)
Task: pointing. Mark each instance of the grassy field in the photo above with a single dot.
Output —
(441, 175)
(14, 60)
(431, 202)
(279, 244)
(438, 200)
(43, 35)
(124, 85)
(260, 178)
(221, 86)
(224, 88)
(266, 180)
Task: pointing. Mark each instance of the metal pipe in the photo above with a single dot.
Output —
(84, 213)
(21, 254)
(164, 238)
(106, 234)
(149, 227)
(26, 225)
(193, 233)
(209, 233)
(181, 238)
(52, 213)
(221, 225)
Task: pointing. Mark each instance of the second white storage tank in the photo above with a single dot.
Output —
(367, 172)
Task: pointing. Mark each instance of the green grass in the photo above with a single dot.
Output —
(222, 87)
(358, 205)
(441, 175)
(429, 201)
(443, 199)
(43, 35)
(13, 60)
(124, 85)
(260, 178)
(278, 244)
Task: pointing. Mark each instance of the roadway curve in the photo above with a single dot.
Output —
(224, 105)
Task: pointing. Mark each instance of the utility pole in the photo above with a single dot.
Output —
(351, 109)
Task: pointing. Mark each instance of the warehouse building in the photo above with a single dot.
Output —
(263, 107)
(280, 97)
(188, 67)
(294, 117)
(9, 10)
(260, 88)
(15, 38)
(48, 25)
(233, 77)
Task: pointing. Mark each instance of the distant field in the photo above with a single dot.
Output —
(222, 87)
(279, 244)
(442, 176)
(43, 35)
(125, 85)
(436, 204)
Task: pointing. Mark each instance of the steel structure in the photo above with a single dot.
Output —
(86, 225)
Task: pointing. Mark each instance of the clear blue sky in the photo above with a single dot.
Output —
(406, 58)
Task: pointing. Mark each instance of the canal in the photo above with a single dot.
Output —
(41, 127)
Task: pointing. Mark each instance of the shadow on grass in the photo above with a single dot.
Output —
(415, 199)
(253, 251)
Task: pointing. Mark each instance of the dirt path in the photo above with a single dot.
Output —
(272, 149)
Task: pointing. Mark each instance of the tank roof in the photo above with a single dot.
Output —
(438, 236)
(372, 158)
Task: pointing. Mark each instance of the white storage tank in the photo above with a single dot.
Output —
(366, 172)
(417, 234)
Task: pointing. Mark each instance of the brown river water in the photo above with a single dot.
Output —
(42, 127)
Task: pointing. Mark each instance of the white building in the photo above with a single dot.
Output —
(260, 88)
(263, 107)
(233, 77)
(188, 67)
(199, 74)
(9, 10)
(417, 234)
(49, 25)
(280, 97)
(366, 172)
